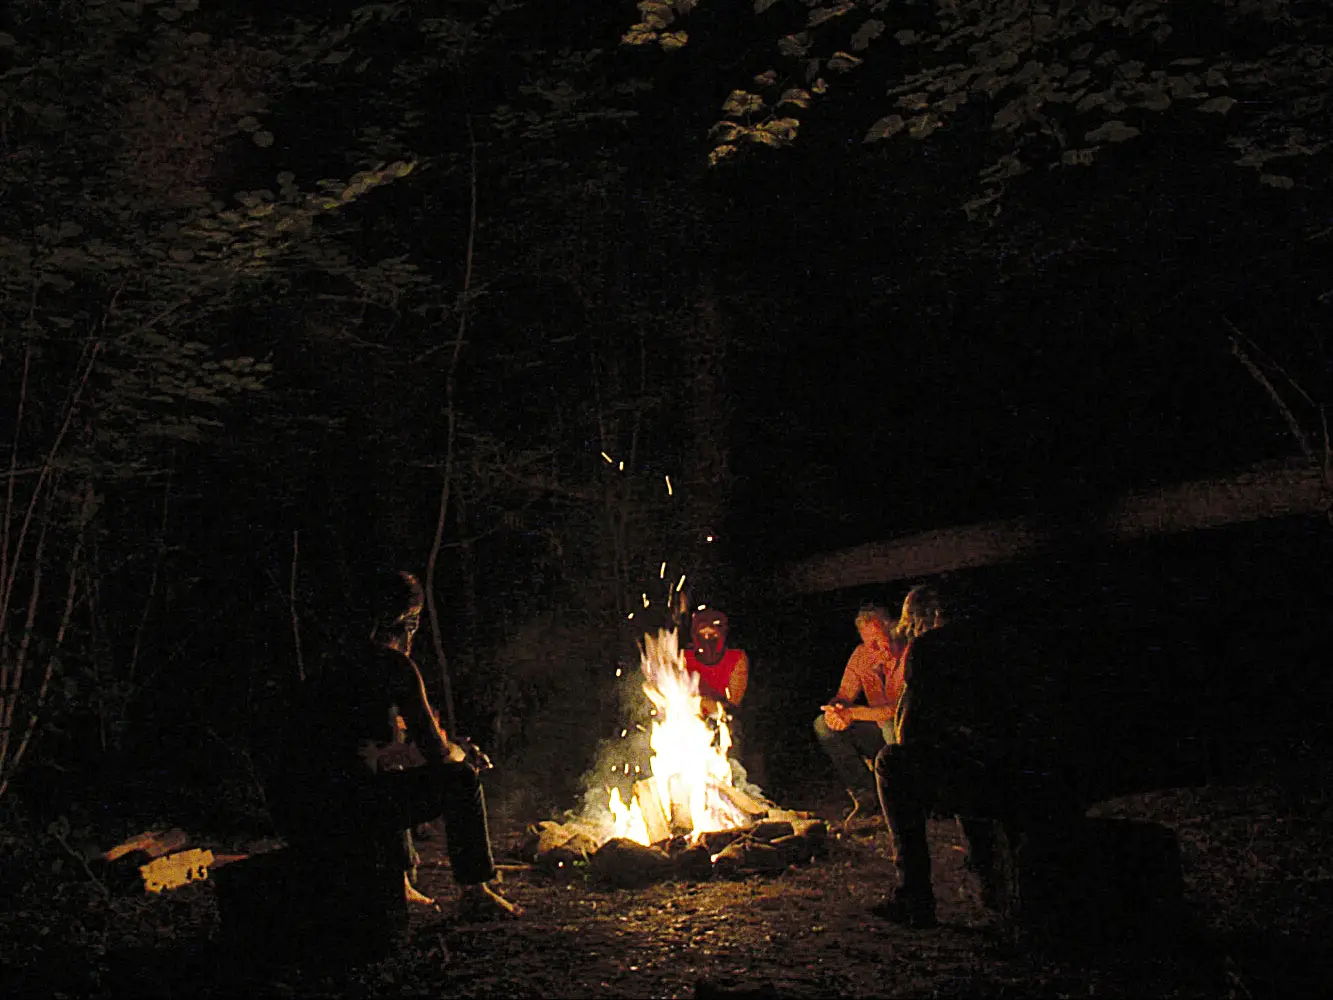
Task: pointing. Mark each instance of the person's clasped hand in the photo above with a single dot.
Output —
(837, 717)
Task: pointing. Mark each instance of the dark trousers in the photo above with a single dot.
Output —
(849, 749)
(365, 820)
(915, 781)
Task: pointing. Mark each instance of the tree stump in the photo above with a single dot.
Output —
(1087, 881)
(286, 907)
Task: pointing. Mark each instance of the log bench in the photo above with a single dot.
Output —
(286, 907)
(1065, 878)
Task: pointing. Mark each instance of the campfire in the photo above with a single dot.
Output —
(689, 816)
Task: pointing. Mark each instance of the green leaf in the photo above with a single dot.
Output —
(843, 61)
(263, 139)
(720, 153)
(885, 127)
(639, 34)
(820, 15)
(795, 46)
(867, 33)
(740, 102)
(1218, 105)
(672, 40)
(1112, 131)
(1278, 181)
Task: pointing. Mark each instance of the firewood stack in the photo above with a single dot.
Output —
(768, 842)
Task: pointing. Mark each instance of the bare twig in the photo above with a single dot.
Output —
(451, 431)
(83, 862)
(8, 766)
(1293, 424)
(291, 602)
(152, 584)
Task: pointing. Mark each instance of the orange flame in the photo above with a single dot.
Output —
(689, 762)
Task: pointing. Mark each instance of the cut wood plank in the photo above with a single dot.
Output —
(743, 801)
(654, 816)
(154, 843)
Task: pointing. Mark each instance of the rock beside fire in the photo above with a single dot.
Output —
(625, 864)
(554, 845)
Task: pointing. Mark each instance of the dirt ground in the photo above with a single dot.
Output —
(1258, 865)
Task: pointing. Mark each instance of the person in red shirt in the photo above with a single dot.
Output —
(723, 673)
(852, 734)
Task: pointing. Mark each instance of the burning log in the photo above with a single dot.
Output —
(744, 802)
(745, 856)
(772, 829)
(659, 822)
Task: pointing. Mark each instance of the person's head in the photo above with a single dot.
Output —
(708, 635)
(922, 611)
(875, 626)
(393, 599)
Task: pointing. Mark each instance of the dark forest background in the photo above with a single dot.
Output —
(286, 294)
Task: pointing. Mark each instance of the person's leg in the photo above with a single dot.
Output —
(453, 793)
(848, 750)
(450, 791)
(980, 834)
(902, 797)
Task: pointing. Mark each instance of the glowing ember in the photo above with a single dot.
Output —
(689, 753)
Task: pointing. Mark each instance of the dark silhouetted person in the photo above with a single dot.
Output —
(943, 756)
(340, 801)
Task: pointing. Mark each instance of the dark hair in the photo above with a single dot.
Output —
(389, 594)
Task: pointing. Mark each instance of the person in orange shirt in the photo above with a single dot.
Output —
(852, 734)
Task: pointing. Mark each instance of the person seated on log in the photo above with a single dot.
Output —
(723, 673)
(347, 798)
(851, 734)
(945, 755)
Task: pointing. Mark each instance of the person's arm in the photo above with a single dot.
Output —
(838, 712)
(423, 729)
(850, 687)
(864, 713)
(739, 681)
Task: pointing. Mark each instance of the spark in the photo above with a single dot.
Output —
(708, 538)
(646, 602)
(623, 732)
(629, 616)
(701, 607)
(609, 459)
(638, 769)
(617, 668)
(661, 573)
(640, 728)
(668, 482)
(680, 583)
(622, 466)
